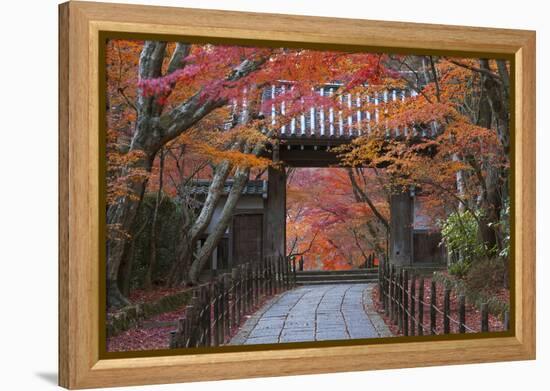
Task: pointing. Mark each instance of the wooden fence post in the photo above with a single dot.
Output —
(392, 294)
(187, 326)
(387, 288)
(220, 318)
(433, 306)
(234, 297)
(257, 279)
(246, 281)
(271, 269)
(252, 285)
(447, 311)
(252, 274)
(290, 276)
(227, 284)
(242, 275)
(283, 272)
(220, 301)
(262, 277)
(381, 288)
(484, 318)
(249, 287)
(400, 299)
(269, 292)
(269, 276)
(201, 335)
(265, 283)
(279, 274)
(216, 308)
(293, 271)
(405, 302)
(275, 275)
(177, 336)
(207, 314)
(285, 268)
(198, 305)
(282, 269)
(225, 306)
(421, 306)
(412, 330)
(192, 312)
(173, 343)
(462, 314)
(246, 288)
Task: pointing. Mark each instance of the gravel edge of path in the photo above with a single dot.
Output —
(379, 325)
(245, 330)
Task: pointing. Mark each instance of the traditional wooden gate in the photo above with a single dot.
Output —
(308, 141)
(247, 238)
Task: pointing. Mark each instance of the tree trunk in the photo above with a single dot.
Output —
(148, 282)
(125, 271)
(190, 235)
(491, 111)
(153, 130)
(121, 216)
(239, 181)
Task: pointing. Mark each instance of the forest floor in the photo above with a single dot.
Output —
(473, 314)
(146, 337)
(140, 296)
(154, 333)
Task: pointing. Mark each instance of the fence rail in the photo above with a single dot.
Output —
(217, 308)
(405, 306)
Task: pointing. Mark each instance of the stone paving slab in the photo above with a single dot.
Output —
(315, 313)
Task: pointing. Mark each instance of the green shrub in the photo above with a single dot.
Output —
(459, 269)
(486, 275)
(459, 234)
(495, 304)
(168, 231)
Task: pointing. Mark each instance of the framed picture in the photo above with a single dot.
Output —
(247, 195)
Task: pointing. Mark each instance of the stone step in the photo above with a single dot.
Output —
(340, 276)
(333, 282)
(336, 272)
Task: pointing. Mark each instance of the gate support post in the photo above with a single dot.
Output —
(401, 228)
(275, 216)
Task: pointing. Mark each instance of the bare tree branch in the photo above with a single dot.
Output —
(476, 69)
(361, 196)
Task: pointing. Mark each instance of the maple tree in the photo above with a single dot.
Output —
(334, 230)
(454, 138)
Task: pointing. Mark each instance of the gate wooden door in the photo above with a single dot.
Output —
(247, 238)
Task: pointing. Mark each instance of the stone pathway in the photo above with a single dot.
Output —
(314, 313)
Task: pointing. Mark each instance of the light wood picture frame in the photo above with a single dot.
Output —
(81, 25)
